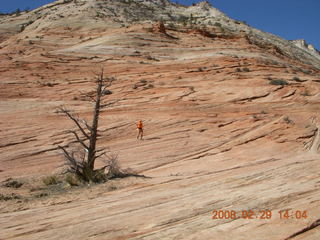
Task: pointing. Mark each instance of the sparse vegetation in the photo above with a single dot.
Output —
(287, 120)
(246, 69)
(72, 180)
(51, 180)
(114, 169)
(305, 71)
(278, 82)
(9, 197)
(13, 184)
(41, 195)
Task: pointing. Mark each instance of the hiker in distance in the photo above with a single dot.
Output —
(140, 129)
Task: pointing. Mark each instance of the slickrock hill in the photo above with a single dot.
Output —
(231, 119)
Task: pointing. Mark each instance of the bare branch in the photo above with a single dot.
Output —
(66, 153)
(79, 140)
(76, 121)
(92, 98)
(86, 124)
(110, 103)
(100, 155)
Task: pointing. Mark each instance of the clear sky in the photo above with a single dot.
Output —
(290, 19)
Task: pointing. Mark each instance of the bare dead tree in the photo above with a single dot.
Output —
(82, 163)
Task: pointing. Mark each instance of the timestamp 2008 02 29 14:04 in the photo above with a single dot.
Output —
(260, 214)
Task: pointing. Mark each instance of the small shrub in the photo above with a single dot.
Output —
(143, 81)
(305, 71)
(52, 180)
(246, 69)
(287, 120)
(9, 197)
(107, 92)
(278, 82)
(114, 169)
(13, 184)
(72, 180)
(238, 70)
(297, 79)
(41, 195)
(112, 188)
(22, 28)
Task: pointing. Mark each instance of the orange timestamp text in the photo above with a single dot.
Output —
(259, 214)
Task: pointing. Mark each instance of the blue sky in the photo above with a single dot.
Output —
(290, 19)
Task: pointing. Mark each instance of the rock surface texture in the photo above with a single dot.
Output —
(231, 118)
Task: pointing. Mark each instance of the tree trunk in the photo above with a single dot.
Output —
(94, 130)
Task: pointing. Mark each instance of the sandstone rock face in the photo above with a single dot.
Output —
(301, 43)
(231, 124)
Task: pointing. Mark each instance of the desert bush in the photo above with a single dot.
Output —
(287, 120)
(114, 169)
(9, 197)
(107, 92)
(13, 184)
(246, 69)
(278, 82)
(51, 180)
(305, 71)
(143, 81)
(72, 180)
(297, 79)
(112, 188)
(41, 195)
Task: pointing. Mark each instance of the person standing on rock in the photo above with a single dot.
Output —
(140, 129)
